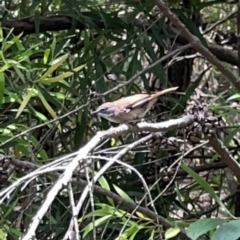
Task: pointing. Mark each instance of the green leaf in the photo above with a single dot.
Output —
(61, 76)
(53, 46)
(41, 116)
(42, 153)
(46, 55)
(233, 97)
(3, 234)
(25, 102)
(54, 65)
(143, 217)
(106, 210)
(228, 231)
(171, 232)
(203, 226)
(18, 42)
(49, 109)
(19, 73)
(16, 232)
(230, 136)
(104, 184)
(97, 223)
(2, 87)
(22, 148)
(52, 220)
(113, 142)
(132, 231)
(122, 194)
(205, 185)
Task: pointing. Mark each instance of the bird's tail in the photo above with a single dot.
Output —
(165, 91)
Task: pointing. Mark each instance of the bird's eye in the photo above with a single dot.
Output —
(107, 111)
(103, 110)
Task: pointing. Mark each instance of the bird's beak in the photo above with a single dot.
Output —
(94, 112)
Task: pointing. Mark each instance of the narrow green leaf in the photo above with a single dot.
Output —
(61, 76)
(230, 136)
(18, 43)
(25, 102)
(7, 45)
(143, 217)
(104, 184)
(2, 86)
(41, 116)
(1, 36)
(97, 223)
(105, 210)
(19, 73)
(53, 46)
(5, 38)
(46, 55)
(42, 153)
(205, 185)
(132, 231)
(10, 207)
(52, 220)
(54, 65)
(122, 194)
(16, 232)
(49, 109)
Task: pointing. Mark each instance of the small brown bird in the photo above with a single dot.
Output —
(130, 109)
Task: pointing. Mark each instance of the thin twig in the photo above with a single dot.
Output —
(74, 212)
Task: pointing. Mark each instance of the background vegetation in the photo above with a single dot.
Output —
(61, 59)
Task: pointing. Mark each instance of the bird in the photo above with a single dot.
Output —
(130, 109)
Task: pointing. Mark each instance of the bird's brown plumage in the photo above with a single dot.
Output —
(128, 109)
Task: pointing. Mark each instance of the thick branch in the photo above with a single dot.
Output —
(46, 23)
(196, 43)
(226, 157)
(224, 54)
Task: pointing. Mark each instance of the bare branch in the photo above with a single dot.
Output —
(226, 157)
(66, 177)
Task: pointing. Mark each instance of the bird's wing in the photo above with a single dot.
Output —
(157, 94)
(143, 98)
(131, 102)
(137, 100)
